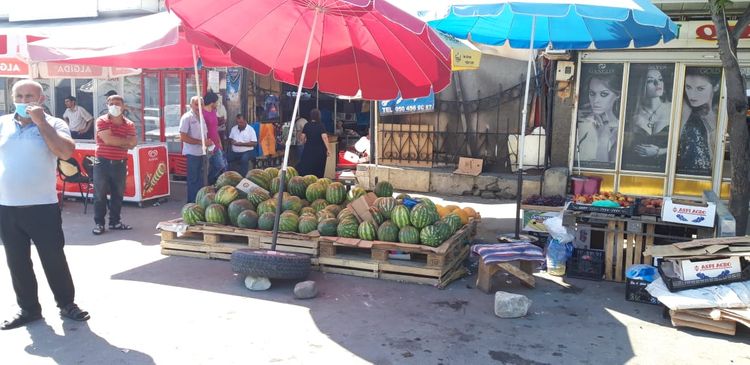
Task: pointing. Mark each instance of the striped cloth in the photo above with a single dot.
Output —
(504, 252)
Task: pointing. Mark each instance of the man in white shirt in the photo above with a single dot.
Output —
(79, 120)
(243, 140)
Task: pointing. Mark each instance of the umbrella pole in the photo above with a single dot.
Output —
(282, 176)
(520, 151)
(204, 161)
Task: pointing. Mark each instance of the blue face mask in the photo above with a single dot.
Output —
(21, 110)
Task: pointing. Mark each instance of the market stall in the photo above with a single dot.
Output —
(147, 167)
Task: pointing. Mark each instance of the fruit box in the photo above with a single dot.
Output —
(688, 212)
(703, 269)
(535, 215)
(361, 206)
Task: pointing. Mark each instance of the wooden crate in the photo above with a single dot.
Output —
(192, 244)
(292, 242)
(624, 243)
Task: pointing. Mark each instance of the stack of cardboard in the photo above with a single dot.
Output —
(713, 262)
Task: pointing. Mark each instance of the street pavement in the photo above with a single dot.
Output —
(147, 308)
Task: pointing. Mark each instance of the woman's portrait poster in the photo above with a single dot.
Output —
(698, 121)
(647, 117)
(598, 119)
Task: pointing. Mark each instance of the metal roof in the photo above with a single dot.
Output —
(697, 9)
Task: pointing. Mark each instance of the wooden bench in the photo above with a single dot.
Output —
(523, 272)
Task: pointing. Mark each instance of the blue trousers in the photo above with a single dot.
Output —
(216, 166)
(194, 176)
(244, 159)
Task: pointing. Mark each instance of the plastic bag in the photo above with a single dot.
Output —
(641, 272)
(557, 256)
(557, 231)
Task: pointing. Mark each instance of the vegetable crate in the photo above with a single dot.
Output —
(437, 266)
(214, 241)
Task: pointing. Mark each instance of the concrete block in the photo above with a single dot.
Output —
(410, 179)
(450, 183)
(509, 305)
(380, 173)
(555, 181)
(508, 186)
(485, 182)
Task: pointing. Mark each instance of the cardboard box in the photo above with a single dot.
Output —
(704, 269)
(690, 213)
(361, 206)
(469, 166)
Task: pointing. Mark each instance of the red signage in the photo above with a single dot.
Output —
(153, 171)
(707, 32)
(10, 66)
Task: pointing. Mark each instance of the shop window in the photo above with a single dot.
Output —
(608, 181)
(62, 91)
(132, 96)
(84, 94)
(647, 118)
(690, 187)
(698, 121)
(104, 87)
(642, 185)
(151, 108)
(598, 119)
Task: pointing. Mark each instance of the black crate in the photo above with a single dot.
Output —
(675, 284)
(585, 264)
(622, 211)
(635, 291)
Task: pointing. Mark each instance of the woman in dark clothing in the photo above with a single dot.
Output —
(315, 139)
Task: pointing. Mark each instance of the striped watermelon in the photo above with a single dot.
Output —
(288, 222)
(386, 206)
(259, 177)
(307, 224)
(297, 186)
(388, 231)
(268, 206)
(274, 185)
(247, 219)
(335, 209)
(192, 213)
(291, 172)
(366, 231)
(271, 172)
(336, 193)
(349, 219)
(443, 230)
(292, 203)
(207, 200)
(347, 229)
(429, 236)
(408, 234)
(216, 213)
(377, 215)
(319, 205)
(236, 207)
(355, 193)
(229, 178)
(257, 196)
(345, 213)
(226, 195)
(325, 182)
(266, 220)
(328, 227)
(421, 216)
(310, 179)
(400, 216)
(305, 210)
(454, 221)
(315, 191)
(384, 189)
(203, 191)
(324, 214)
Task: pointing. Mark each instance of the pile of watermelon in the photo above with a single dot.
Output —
(311, 204)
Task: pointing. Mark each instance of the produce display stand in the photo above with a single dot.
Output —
(214, 241)
(625, 238)
(436, 266)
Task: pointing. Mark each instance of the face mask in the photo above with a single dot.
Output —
(21, 110)
(114, 110)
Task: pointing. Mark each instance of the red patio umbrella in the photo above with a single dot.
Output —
(343, 46)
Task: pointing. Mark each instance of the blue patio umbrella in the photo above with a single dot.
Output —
(557, 24)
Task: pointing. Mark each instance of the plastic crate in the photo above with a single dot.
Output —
(674, 284)
(635, 291)
(585, 264)
(623, 211)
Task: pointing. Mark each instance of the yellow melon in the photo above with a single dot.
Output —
(470, 212)
(442, 211)
(464, 217)
(452, 207)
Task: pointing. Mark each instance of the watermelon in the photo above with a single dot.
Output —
(207, 200)
(366, 231)
(388, 231)
(229, 178)
(400, 216)
(430, 236)
(377, 215)
(226, 195)
(236, 207)
(325, 182)
(428, 203)
(266, 220)
(247, 219)
(192, 213)
(310, 179)
(257, 196)
(421, 216)
(203, 191)
(216, 213)
(288, 222)
(307, 224)
(274, 185)
(345, 213)
(349, 219)
(443, 230)
(347, 229)
(319, 204)
(336, 193)
(355, 193)
(291, 203)
(268, 206)
(403, 196)
(297, 186)
(315, 191)
(324, 214)
(272, 172)
(383, 189)
(306, 210)
(260, 178)
(386, 206)
(291, 172)
(335, 209)
(327, 227)
(408, 234)
(304, 203)
(454, 221)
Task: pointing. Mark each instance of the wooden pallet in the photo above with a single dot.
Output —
(624, 244)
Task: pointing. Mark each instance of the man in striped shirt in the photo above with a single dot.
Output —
(115, 135)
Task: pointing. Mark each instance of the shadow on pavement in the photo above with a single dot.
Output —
(91, 348)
